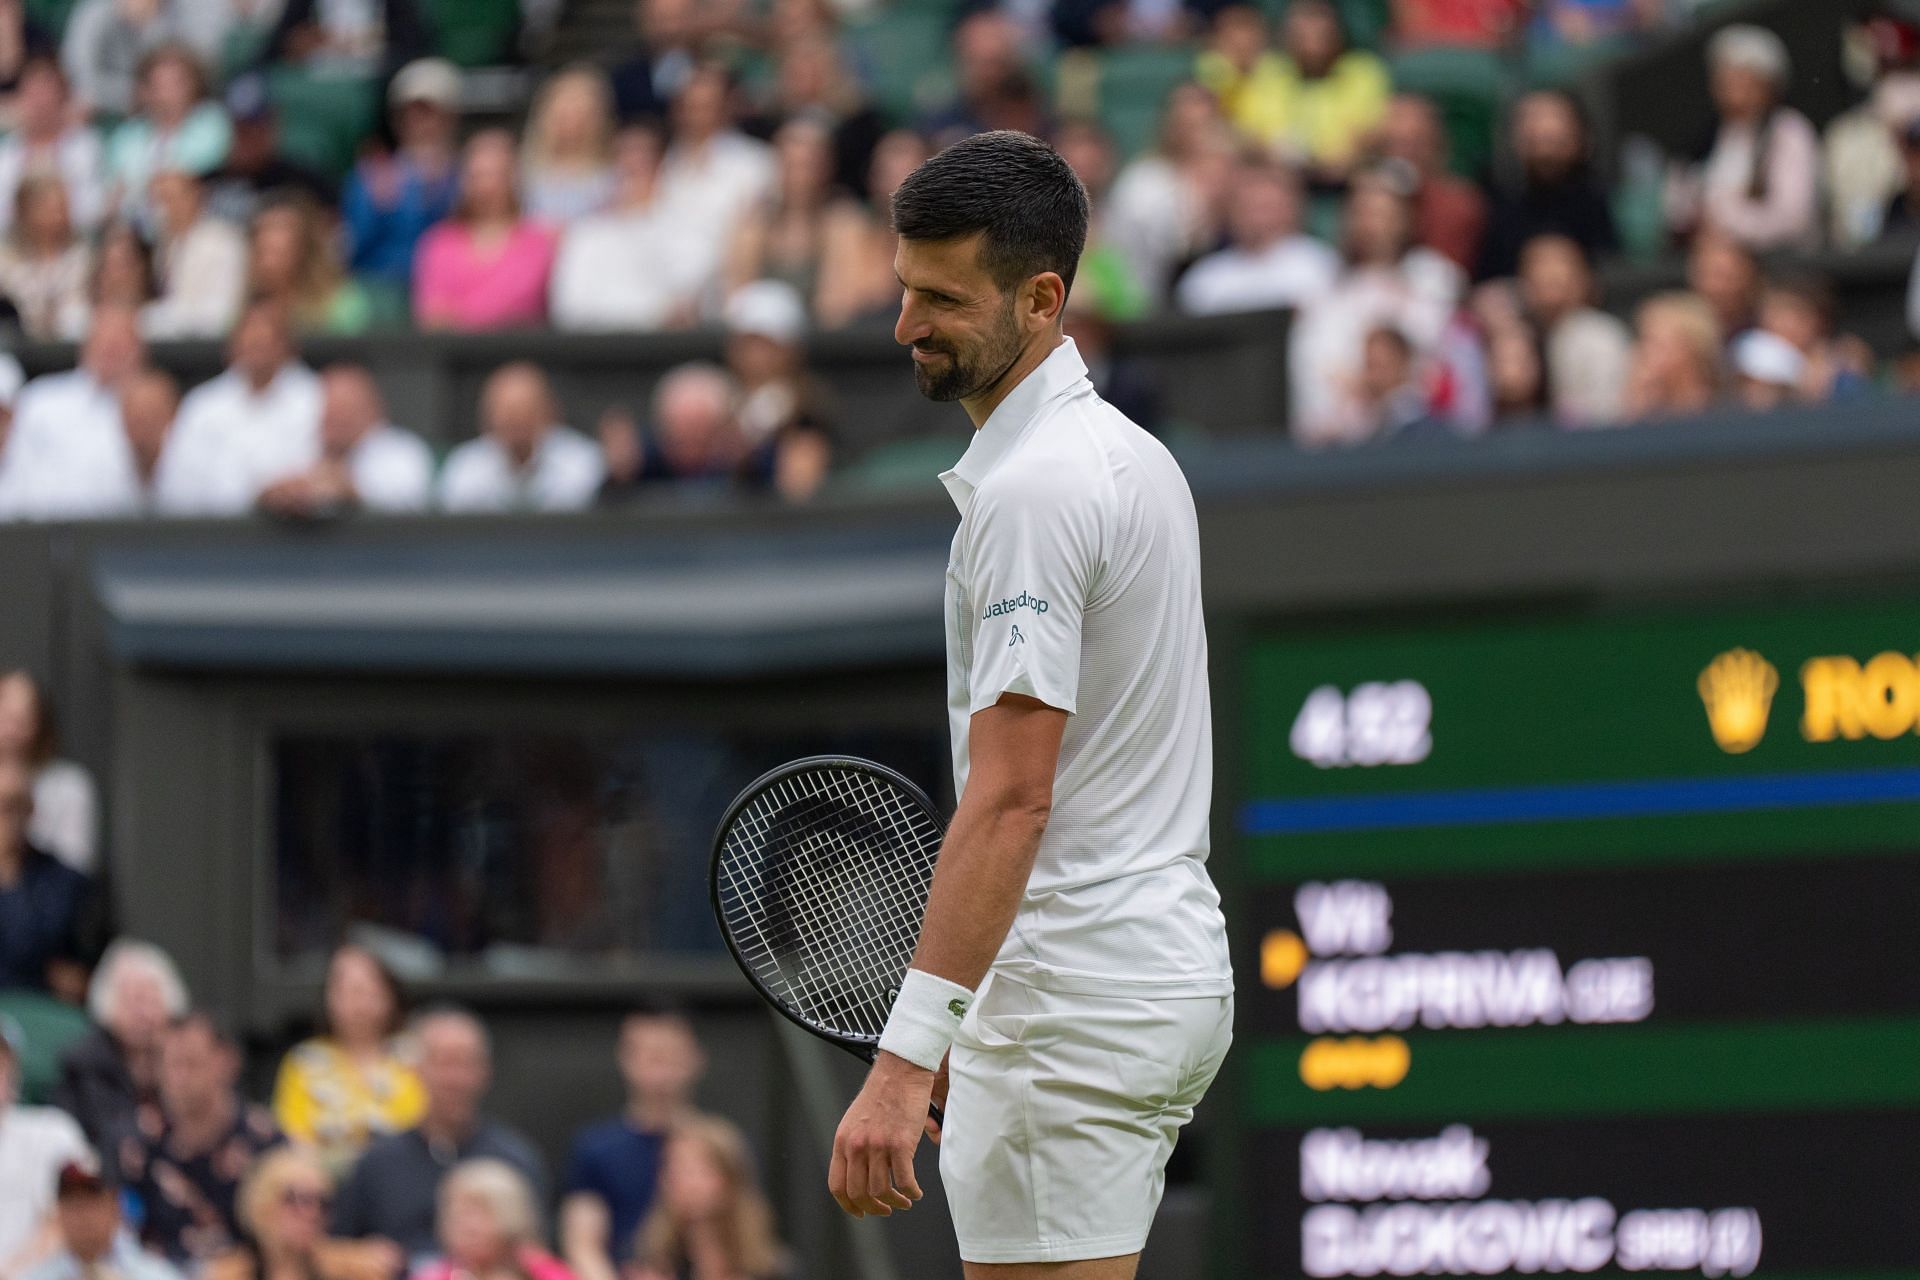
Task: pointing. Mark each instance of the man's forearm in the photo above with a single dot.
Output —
(977, 887)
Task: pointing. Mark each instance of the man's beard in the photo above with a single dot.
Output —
(961, 376)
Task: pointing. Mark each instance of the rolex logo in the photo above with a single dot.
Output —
(1738, 688)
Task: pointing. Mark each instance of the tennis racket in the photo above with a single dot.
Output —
(820, 877)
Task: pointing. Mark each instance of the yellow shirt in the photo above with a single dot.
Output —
(324, 1098)
(1324, 120)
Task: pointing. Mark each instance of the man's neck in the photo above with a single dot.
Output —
(442, 1131)
(980, 407)
(13, 860)
(257, 380)
(201, 1129)
(653, 1117)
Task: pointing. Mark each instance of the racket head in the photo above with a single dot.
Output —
(819, 882)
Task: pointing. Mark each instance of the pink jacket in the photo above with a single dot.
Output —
(456, 286)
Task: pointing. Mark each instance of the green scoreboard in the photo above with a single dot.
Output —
(1583, 944)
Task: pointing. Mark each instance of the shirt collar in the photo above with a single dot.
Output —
(1062, 371)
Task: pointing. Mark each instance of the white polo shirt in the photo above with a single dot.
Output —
(34, 1143)
(1075, 579)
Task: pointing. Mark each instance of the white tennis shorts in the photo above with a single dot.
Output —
(1061, 1113)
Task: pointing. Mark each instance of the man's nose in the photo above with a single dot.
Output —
(912, 325)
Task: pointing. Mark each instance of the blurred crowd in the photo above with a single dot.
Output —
(731, 166)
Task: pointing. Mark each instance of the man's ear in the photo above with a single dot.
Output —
(1046, 297)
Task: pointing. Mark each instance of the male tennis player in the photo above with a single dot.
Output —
(1072, 894)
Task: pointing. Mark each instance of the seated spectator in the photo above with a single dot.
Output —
(1168, 206)
(22, 39)
(709, 1200)
(856, 259)
(1870, 162)
(106, 41)
(627, 268)
(1678, 366)
(490, 1227)
(1393, 401)
(1519, 384)
(1587, 351)
(487, 265)
(1240, 67)
(1470, 24)
(66, 453)
(352, 1083)
(282, 1209)
(990, 54)
(365, 461)
(92, 1238)
(566, 161)
(122, 279)
(393, 1191)
(1104, 272)
(526, 460)
(176, 128)
(1800, 309)
(347, 40)
(292, 260)
(149, 403)
(1580, 24)
(615, 1165)
(44, 263)
(784, 237)
(1554, 190)
(36, 1143)
(1726, 276)
(392, 198)
(694, 438)
(812, 81)
(185, 1159)
(112, 1073)
(1271, 262)
(1449, 213)
(254, 169)
(201, 262)
(713, 175)
(1760, 184)
(255, 422)
(785, 419)
(1388, 280)
(46, 140)
(1325, 101)
(1901, 213)
(66, 804)
(1767, 371)
(670, 34)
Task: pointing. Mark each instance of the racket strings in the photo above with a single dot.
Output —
(823, 881)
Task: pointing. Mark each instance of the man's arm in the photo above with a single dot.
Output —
(978, 882)
(585, 1230)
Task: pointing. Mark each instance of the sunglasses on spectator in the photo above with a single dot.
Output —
(304, 1198)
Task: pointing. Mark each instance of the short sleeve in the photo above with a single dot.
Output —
(1031, 561)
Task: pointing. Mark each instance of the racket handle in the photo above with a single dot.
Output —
(939, 1116)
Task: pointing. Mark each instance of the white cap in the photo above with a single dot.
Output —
(1753, 48)
(1768, 357)
(432, 80)
(12, 378)
(768, 309)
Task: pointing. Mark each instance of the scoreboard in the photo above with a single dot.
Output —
(1582, 943)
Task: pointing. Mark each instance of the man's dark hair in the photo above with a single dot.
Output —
(1013, 187)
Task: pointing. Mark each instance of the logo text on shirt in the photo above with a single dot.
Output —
(1000, 608)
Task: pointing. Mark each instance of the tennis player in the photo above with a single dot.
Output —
(1071, 997)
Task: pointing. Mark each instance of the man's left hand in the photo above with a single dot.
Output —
(872, 1169)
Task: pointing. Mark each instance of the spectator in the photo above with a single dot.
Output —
(1472, 24)
(1388, 280)
(93, 1242)
(490, 1227)
(1518, 382)
(1768, 371)
(292, 261)
(352, 1083)
(1800, 309)
(713, 175)
(1580, 24)
(856, 265)
(365, 461)
(487, 265)
(694, 437)
(1393, 403)
(1271, 262)
(46, 140)
(989, 53)
(149, 403)
(1449, 213)
(1242, 69)
(122, 279)
(362, 41)
(565, 162)
(1901, 213)
(66, 453)
(1677, 358)
(255, 170)
(812, 81)
(783, 412)
(1168, 206)
(392, 198)
(1554, 190)
(784, 238)
(22, 40)
(615, 1165)
(184, 1161)
(176, 128)
(1104, 272)
(526, 460)
(626, 268)
(66, 804)
(1120, 22)
(202, 262)
(1870, 163)
(709, 1200)
(1588, 351)
(106, 42)
(282, 1209)
(35, 1144)
(255, 422)
(392, 1191)
(44, 263)
(1326, 100)
(1724, 273)
(647, 83)
(1760, 184)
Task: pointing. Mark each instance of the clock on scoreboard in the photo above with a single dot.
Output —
(1583, 944)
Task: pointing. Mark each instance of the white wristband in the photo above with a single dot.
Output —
(925, 1016)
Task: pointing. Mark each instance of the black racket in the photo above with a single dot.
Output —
(820, 877)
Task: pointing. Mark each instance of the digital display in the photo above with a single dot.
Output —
(1584, 944)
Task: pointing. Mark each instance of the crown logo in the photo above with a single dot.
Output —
(1738, 688)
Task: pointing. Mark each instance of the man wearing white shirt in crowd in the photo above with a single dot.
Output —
(1270, 262)
(148, 405)
(46, 139)
(200, 260)
(631, 267)
(711, 176)
(526, 461)
(256, 422)
(365, 460)
(66, 456)
(35, 1142)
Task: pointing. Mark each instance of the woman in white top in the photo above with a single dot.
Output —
(1169, 206)
(566, 159)
(66, 805)
(44, 264)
